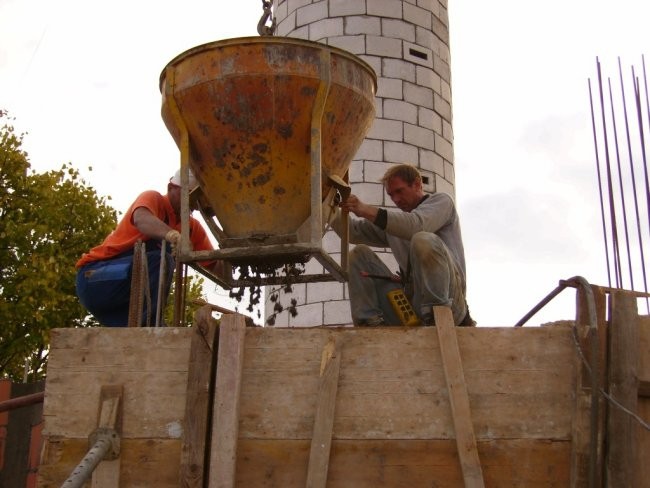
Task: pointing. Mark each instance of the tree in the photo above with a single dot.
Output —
(47, 221)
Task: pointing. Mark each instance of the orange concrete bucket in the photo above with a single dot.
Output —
(261, 113)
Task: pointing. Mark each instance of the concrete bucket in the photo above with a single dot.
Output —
(271, 125)
(248, 105)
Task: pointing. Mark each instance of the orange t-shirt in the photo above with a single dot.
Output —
(126, 234)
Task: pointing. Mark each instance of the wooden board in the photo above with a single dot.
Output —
(141, 461)
(392, 383)
(392, 415)
(151, 364)
(397, 463)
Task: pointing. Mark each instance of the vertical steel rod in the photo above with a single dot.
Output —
(600, 186)
(620, 187)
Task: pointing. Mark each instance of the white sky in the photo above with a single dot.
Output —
(81, 78)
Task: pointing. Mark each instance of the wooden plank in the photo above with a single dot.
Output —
(623, 361)
(643, 451)
(323, 423)
(585, 469)
(392, 386)
(151, 364)
(200, 391)
(225, 430)
(405, 463)
(109, 416)
(141, 461)
(458, 398)
(644, 357)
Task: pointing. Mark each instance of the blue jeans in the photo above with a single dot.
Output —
(104, 287)
(434, 280)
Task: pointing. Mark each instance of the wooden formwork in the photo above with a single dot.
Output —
(348, 407)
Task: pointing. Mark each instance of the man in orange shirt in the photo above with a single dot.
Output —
(104, 272)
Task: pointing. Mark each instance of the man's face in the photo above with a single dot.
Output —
(174, 193)
(405, 196)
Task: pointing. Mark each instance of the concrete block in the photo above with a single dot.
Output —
(390, 88)
(398, 68)
(374, 171)
(386, 130)
(385, 8)
(400, 152)
(429, 119)
(417, 15)
(400, 110)
(324, 291)
(311, 13)
(431, 162)
(370, 149)
(427, 78)
(337, 312)
(419, 136)
(358, 24)
(398, 29)
(444, 147)
(384, 47)
(308, 315)
(418, 95)
(325, 28)
(353, 44)
(347, 7)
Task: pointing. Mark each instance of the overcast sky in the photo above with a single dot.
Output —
(81, 78)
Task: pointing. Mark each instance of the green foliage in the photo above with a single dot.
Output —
(193, 294)
(47, 220)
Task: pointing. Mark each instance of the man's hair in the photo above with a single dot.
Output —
(408, 173)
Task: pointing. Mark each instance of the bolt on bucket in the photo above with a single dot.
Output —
(271, 123)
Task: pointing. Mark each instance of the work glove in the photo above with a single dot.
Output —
(174, 238)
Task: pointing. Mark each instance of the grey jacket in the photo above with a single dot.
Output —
(436, 214)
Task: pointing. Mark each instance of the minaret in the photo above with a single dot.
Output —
(407, 44)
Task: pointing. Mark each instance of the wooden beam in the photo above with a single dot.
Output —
(225, 428)
(321, 440)
(623, 387)
(458, 398)
(109, 416)
(589, 469)
(644, 359)
(200, 392)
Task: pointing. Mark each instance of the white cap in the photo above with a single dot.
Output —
(176, 180)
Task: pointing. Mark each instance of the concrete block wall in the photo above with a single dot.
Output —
(407, 44)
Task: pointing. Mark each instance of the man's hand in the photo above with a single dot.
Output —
(173, 237)
(360, 209)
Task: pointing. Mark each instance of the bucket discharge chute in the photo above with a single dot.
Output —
(269, 127)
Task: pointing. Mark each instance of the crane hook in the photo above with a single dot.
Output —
(262, 28)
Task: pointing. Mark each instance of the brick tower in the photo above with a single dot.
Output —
(407, 44)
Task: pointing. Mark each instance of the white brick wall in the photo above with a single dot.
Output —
(362, 25)
(385, 8)
(352, 44)
(406, 42)
(398, 29)
(347, 7)
(311, 13)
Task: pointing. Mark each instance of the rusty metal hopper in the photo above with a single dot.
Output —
(248, 105)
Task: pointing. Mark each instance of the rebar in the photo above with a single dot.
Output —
(616, 221)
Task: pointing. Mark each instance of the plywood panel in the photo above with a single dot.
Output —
(417, 463)
(151, 363)
(143, 463)
(392, 385)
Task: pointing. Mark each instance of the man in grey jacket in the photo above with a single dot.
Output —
(424, 236)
